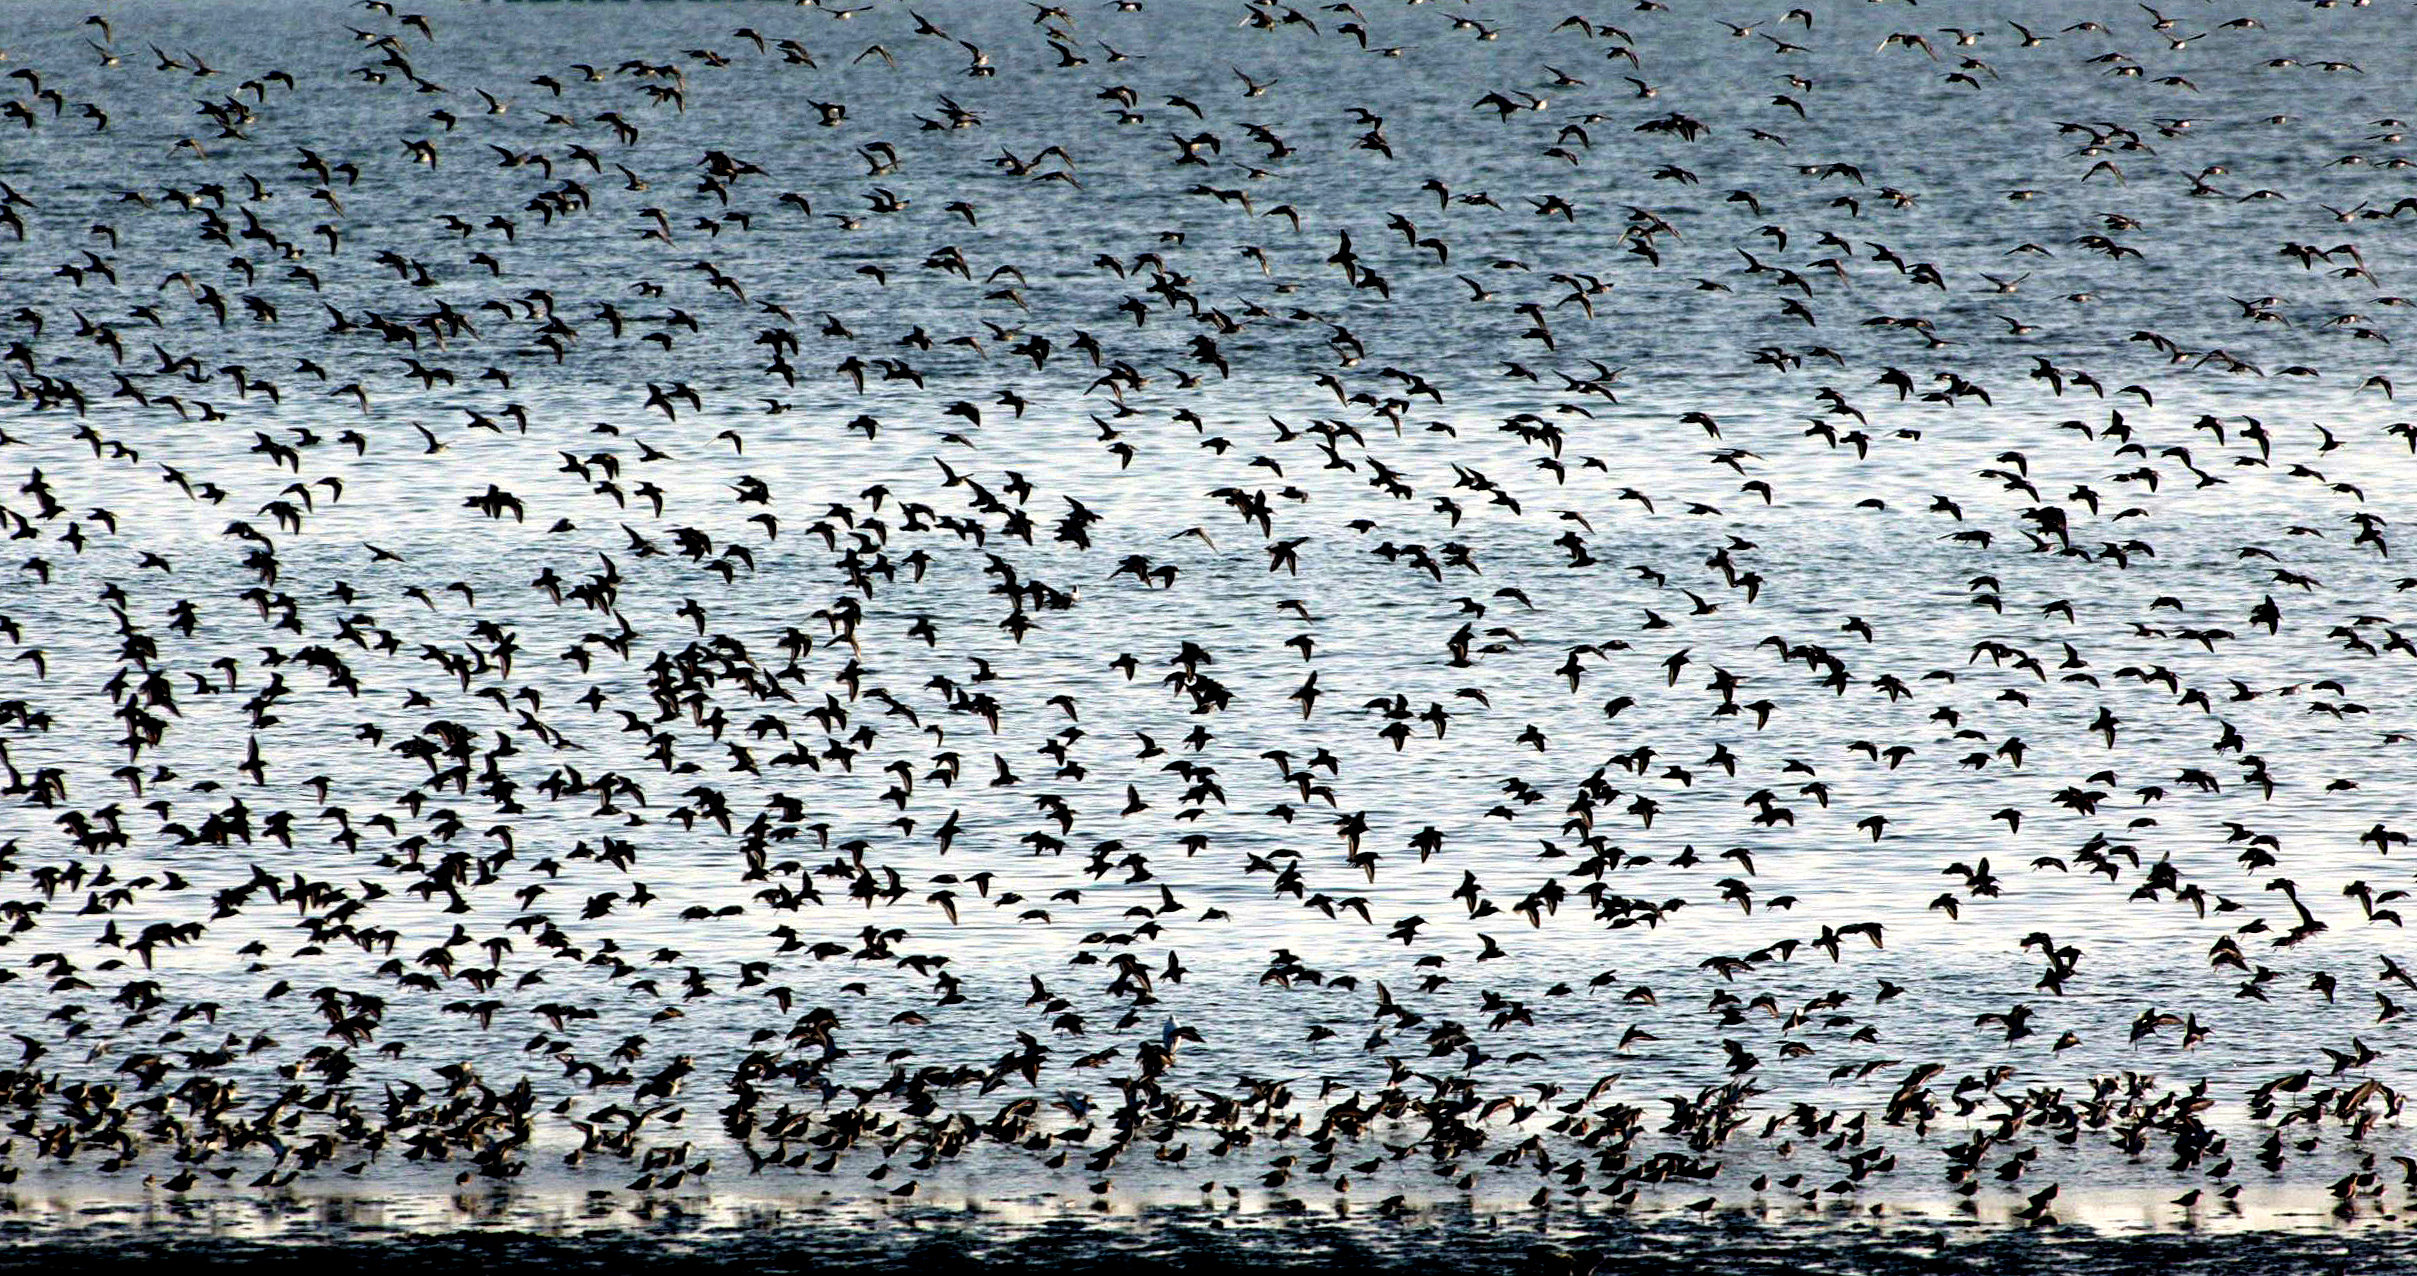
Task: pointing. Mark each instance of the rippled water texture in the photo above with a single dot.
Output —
(1626, 630)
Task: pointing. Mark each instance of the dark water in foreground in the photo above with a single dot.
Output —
(1181, 1241)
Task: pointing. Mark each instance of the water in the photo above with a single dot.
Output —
(1616, 1016)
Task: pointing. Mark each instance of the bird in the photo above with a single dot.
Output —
(1309, 572)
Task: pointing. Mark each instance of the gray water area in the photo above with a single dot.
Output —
(1845, 583)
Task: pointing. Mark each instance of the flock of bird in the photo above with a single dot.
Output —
(1344, 603)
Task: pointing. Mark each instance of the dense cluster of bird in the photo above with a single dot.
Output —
(592, 596)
